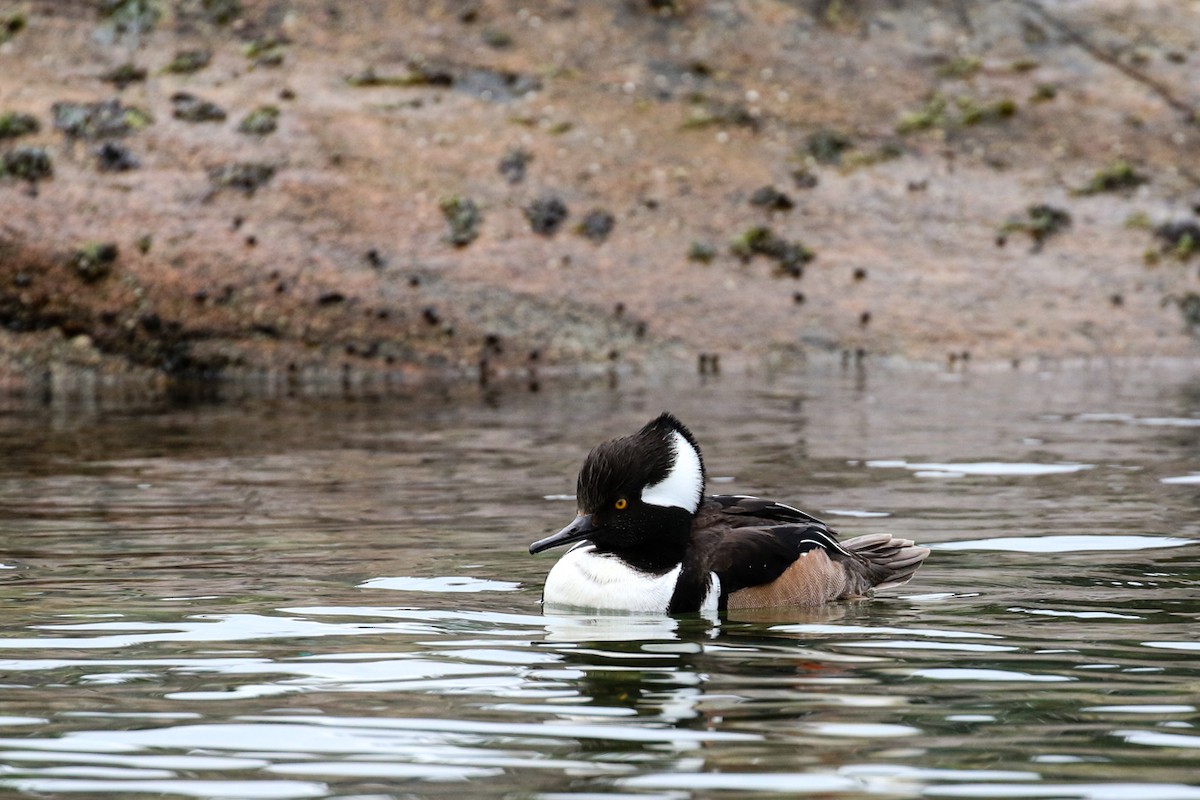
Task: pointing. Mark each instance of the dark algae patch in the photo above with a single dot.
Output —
(94, 261)
(14, 124)
(789, 257)
(190, 108)
(262, 121)
(102, 120)
(1040, 222)
(246, 176)
(185, 62)
(30, 164)
(1120, 176)
(546, 215)
(596, 225)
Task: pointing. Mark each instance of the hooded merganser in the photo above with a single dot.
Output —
(648, 540)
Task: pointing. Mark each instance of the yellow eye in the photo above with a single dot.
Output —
(620, 504)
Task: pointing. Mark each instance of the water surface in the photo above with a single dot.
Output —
(284, 598)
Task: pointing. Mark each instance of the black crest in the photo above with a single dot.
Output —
(624, 466)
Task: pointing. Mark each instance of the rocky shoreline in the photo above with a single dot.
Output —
(297, 188)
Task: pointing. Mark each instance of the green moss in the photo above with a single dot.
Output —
(94, 261)
(246, 176)
(262, 121)
(186, 62)
(931, 115)
(973, 113)
(464, 218)
(14, 124)
(417, 75)
(790, 257)
(266, 51)
(1040, 222)
(1116, 177)
(960, 68)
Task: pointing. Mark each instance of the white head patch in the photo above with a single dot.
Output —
(685, 481)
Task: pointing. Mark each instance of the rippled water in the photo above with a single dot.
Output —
(289, 599)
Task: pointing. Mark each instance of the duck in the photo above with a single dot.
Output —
(647, 539)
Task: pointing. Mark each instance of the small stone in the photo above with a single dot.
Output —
(94, 261)
(772, 199)
(114, 157)
(190, 108)
(464, 218)
(596, 225)
(513, 164)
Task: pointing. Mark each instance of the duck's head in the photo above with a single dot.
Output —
(639, 492)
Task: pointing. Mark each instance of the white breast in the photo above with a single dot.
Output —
(583, 578)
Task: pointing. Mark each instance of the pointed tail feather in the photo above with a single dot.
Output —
(885, 561)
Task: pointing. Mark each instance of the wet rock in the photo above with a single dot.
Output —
(103, 120)
(464, 218)
(94, 261)
(186, 62)
(124, 75)
(1181, 239)
(190, 108)
(1041, 222)
(1120, 176)
(827, 146)
(789, 257)
(14, 124)
(772, 199)
(246, 176)
(546, 215)
(702, 252)
(30, 164)
(513, 163)
(262, 121)
(596, 225)
(114, 157)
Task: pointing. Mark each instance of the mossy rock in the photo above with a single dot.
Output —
(27, 163)
(701, 252)
(222, 12)
(103, 120)
(464, 217)
(190, 108)
(14, 124)
(245, 176)
(125, 74)
(827, 146)
(1041, 222)
(1120, 176)
(262, 121)
(186, 62)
